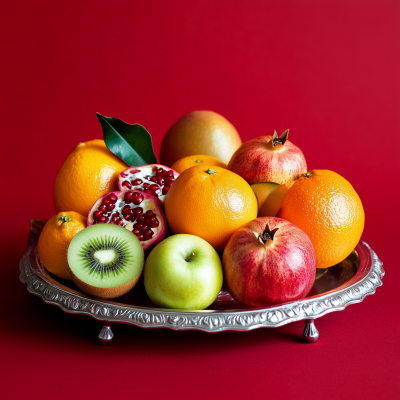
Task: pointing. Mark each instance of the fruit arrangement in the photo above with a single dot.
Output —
(215, 211)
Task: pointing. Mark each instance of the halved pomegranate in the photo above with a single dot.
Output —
(154, 179)
(141, 213)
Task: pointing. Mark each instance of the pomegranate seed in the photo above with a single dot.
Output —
(146, 185)
(126, 184)
(169, 181)
(110, 207)
(123, 174)
(149, 213)
(135, 231)
(159, 171)
(149, 191)
(148, 235)
(134, 171)
(137, 211)
(148, 177)
(137, 200)
(141, 219)
(102, 219)
(138, 226)
(154, 223)
(165, 173)
(121, 223)
(118, 220)
(160, 180)
(128, 197)
(103, 207)
(96, 215)
(125, 209)
(165, 189)
(137, 182)
(106, 201)
(153, 179)
(113, 198)
(170, 173)
(140, 237)
(154, 188)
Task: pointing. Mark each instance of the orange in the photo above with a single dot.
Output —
(327, 208)
(89, 172)
(210, 202)
(192, 161)
(54, 241)
(200, 132)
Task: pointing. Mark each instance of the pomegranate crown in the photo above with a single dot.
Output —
(280, 140)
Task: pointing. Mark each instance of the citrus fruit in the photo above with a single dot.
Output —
(89, 172)
(200, 132)
(327, 208)
(210, 202)
(192, 161)
(55, 239)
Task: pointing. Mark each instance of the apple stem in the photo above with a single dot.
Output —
(189, 257)
(267, 234)
(281, 140)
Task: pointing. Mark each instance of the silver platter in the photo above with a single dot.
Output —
(334, 289)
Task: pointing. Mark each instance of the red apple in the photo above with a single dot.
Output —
(268, 158)
(269, 261)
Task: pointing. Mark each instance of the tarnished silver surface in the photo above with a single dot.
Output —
(347, 283)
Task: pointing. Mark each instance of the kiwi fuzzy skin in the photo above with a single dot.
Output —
(106, 293)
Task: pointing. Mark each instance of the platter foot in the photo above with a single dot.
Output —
(106, 335)
(310, 333)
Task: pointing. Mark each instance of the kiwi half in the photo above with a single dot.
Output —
(105, 260)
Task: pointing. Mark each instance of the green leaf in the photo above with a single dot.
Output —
(131, 143)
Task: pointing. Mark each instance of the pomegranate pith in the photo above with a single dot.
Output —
(152, 179)
(141, 213)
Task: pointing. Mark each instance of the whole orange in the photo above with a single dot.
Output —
(200, 132)
(192, 161)
(327, 208)
(210, 202)
(55, 239)
(89, 172)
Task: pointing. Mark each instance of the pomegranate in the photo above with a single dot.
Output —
(139, 212)
(153, 179)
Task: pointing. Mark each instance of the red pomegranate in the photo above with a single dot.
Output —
(141, 213)
(153, 179)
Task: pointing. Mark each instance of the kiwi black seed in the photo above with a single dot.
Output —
(105, 260)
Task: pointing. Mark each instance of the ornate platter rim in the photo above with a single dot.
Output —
(364, 283)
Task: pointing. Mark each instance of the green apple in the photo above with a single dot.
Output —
(183, 271)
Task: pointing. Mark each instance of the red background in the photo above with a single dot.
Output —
(328, 70)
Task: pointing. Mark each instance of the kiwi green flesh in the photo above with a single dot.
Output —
(105, 256)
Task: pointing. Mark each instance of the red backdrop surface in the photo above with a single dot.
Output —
(327, 70)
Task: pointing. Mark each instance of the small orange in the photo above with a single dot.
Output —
(191, 161)
(200, 132)
(210, 202)
(89, 172)
(327, 208)
(54, 241)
